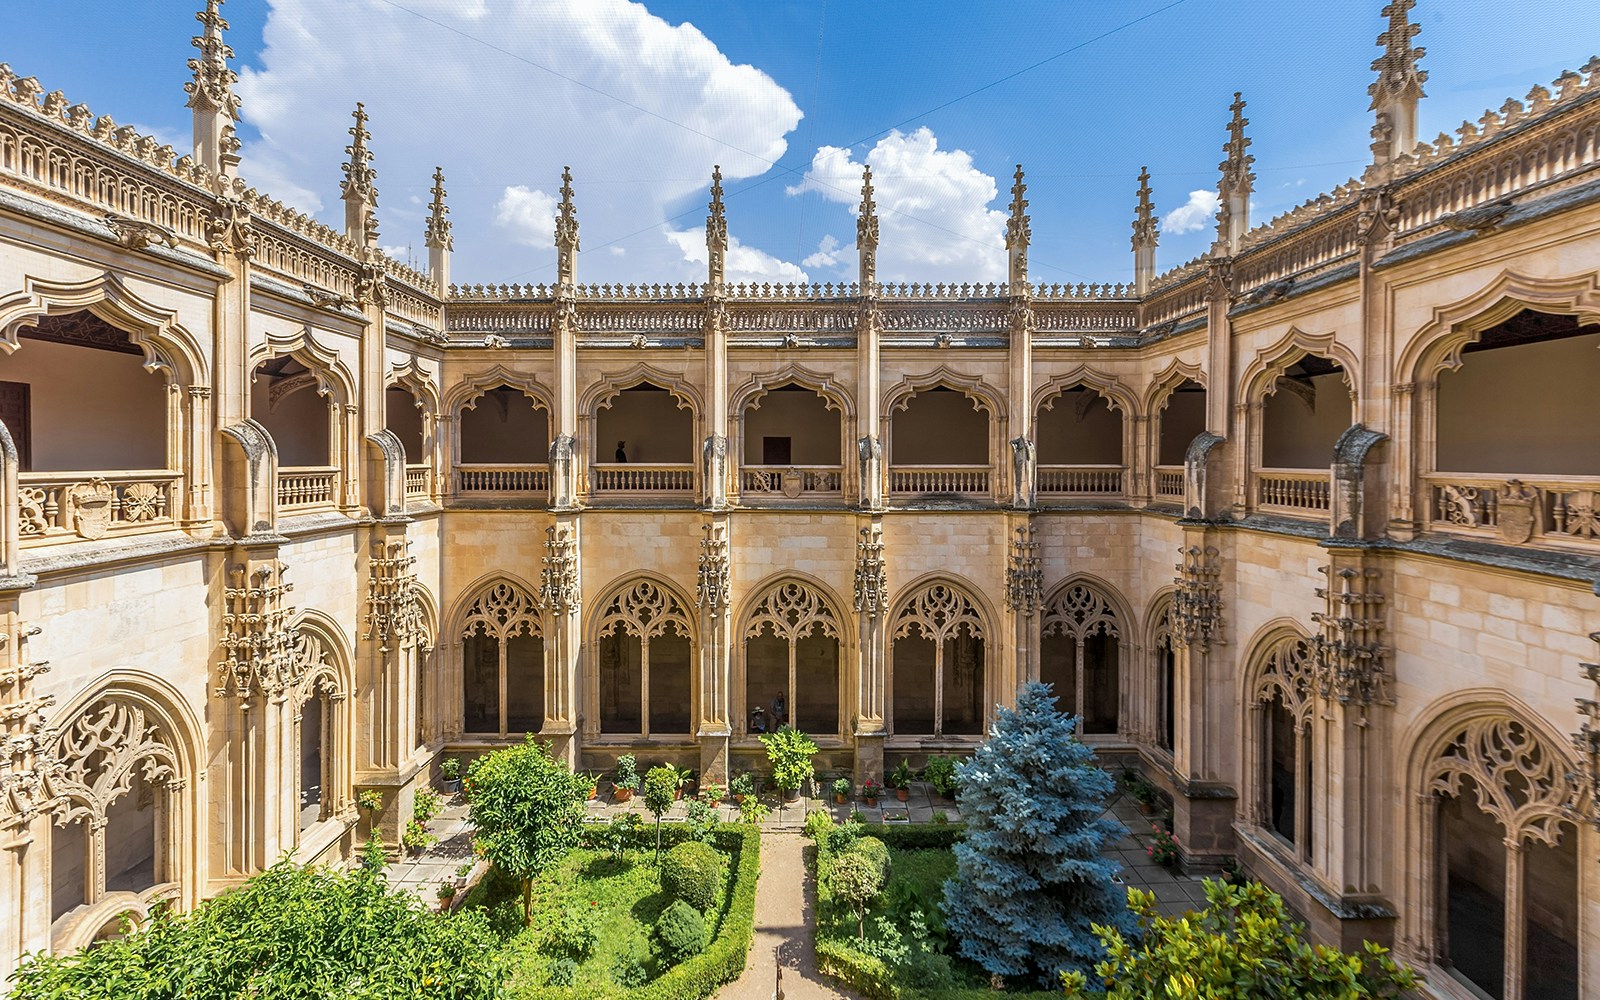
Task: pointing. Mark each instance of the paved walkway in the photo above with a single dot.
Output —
(784, 901)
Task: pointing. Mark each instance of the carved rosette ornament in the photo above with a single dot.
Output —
(1024, 574)
(22, 762)
(558, 580)
(1197, 599)
(394, 606)
(712, 589)
(872, 579)
(1584, 804)
(257, 635)
(1350, 650)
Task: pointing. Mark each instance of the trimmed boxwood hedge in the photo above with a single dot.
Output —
(724, 958)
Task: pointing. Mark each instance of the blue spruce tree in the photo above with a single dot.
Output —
(1030, 879)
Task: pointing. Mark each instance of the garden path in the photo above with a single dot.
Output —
(784, 900)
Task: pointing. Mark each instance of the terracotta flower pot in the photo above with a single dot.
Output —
(872, 802)
(1147, 809)
(902, 794)
(594, 791)
(839, 799)
(791, 795)
(715, 803)
(624, 794)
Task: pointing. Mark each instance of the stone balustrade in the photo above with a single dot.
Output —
(307, 487)
(71, 505)
(502, 478)
(628, 477)
(1082, 480)
(968, 480)
(1301, 492)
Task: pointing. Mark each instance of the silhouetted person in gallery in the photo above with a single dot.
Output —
(758, 720)
(622, 451)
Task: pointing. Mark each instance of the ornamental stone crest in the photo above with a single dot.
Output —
(1197, 599)
(558, 580)
(258, 638)
(1024, 575)
(872, 579)
(90, 506)
(712, 591)
(394, 607)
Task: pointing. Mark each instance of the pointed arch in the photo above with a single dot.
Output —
(498, 635)
(334, 377)
(750, 393)
(1086, 635)
(984, 397)
(1438, 345)
(939, 679)
(642, 673)
(411, 375)
(1260, 376)
(166, 344)
(1168, 379)
(792, 635)
(1109, 387)
(1162, 701)
(1279, 700)
(470, 388)
(323, 720)
(604, 390)
(325, 655)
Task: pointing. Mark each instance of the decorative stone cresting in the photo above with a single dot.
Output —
(1197, 602)
(394, 606)
(872, 580)
(257, 634)
(1024, 574)
(1350, 651)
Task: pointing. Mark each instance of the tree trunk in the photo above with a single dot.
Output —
(658, 838)
(527, 902)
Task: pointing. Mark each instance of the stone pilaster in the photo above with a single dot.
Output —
(713, 595)
(872, 614)
(560, 596)
(1204, 799)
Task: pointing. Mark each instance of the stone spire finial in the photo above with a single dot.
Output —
(566, 232)
(1238, 180)
(1019, 233)
(211, 96)
(1146, 234)
(867, 233)
(716, 232)
(1398, 88)
(360, 188)
(438, 239)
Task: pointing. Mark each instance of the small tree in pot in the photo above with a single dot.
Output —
(900, 779)
(790, 752)
(627, 781)
(450, 775)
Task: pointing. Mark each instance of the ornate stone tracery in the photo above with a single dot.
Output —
(1351, 653)
(394, 604)
(1585, 800)
(1079, 612)
(501, 611)
(872, 580)
(644, 610)
(791, 611)
(713, 589)
(1289, 671)
(1024, 574)
(1196, 609)
(1515, 777)
(938, 612)
(558, 580)
(257, 635)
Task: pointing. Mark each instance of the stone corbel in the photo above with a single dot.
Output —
(386, 474)
(1205, 478)
(1356, 491)
(137, 234)
(249, 499)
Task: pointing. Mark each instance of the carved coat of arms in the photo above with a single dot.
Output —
(91, 504)
(793, 483)
(1518, 511)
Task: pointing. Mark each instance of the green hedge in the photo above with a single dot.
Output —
(916, 837)
(724, 958)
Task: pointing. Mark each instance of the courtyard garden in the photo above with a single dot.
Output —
(1012, 881)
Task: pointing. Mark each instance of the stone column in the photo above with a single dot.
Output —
(1204, 796)
(713, 595)
(872, 675)
(1024, 599)
(560, 594)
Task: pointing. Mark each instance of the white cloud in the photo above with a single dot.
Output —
(744, 263)
(933, 215)
(529, 215)
(1196, 213)
(498, 123)
(829, 254)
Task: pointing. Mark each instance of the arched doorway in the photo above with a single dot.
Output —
(792, 652)
(1080, 655)
(937, 663)
(1283, 694)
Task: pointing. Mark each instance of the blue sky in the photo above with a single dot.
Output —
(791, 98)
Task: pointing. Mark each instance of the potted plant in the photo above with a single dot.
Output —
(743, 787)
(594, 783)
(790, 752)
(1163, 849)
(416, 838)
(370, 799)
(1144, 794)
(684, 778)
(941, 774)
(841, 790)
(464, 871)
(627, 780)
(450, 775)
(900, 779)
(713, 793)
(869, 792)
(426, 805)
(446, 892)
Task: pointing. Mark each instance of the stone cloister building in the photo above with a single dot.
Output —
(1307, 527)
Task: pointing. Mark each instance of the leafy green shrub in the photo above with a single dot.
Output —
(693, 872)
(450, 768)
(680, 933)
(563, 971)
(752, 812)
(724, 958)
(416, 837)
(902, 774)
(575, 931)
(628, 970)
(291, 933)
(790, 752)
(856, 881)
(843, 836)
(1243, 944)
(818, 825)
(426, 805)
(701, 820)
(941, 774)
(627, 773)
(660, 789)
(743, 786)
(875, 851)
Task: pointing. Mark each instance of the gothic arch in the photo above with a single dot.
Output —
(750, 394)
(634, 633)
(458, 620)
(1260, 376)
(1109, 387)
(333, 375)
(983, 395)
(125, 725)
(933, 619)
(466, 392)
(325, 655)
(1281, 660)
(1092, 678)
(600, 394)
(986, 612)
(321, 697)
(500, 607)
(1167, 380)
(1276, 757)
(1437, 346)
(791, 608)
(640, 594)
(150, 327)
(1121, 615)
(1159, 697)
(412, 376)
